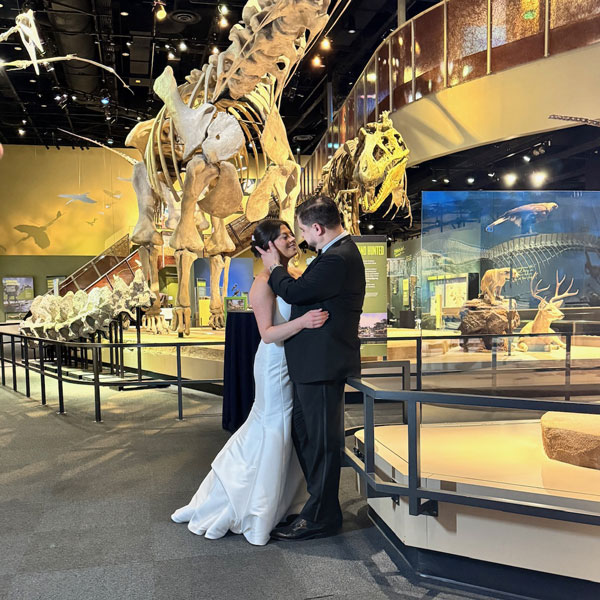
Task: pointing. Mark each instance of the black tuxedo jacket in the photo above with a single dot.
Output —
(335, 282)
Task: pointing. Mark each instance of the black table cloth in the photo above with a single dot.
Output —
(241, 342)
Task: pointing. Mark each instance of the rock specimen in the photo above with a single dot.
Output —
(480, 317)
(572, 438)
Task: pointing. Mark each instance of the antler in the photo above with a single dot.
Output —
(566, 294)
(536, 292)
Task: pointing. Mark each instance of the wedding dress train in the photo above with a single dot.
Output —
(256, 477)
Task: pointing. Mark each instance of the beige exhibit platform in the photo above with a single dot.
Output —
(502, 459)
(197, 362)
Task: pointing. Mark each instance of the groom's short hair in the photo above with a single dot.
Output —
(319, 209)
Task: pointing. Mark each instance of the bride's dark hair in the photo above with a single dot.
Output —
(266, 231)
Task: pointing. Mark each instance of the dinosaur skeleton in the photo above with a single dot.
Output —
(206, 127)
(376, 158)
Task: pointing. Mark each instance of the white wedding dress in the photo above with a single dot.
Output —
(256, 477)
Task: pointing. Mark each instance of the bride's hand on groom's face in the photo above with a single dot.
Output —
(270, 256)
(314, 319)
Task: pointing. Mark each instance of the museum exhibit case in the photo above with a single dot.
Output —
(495, 455)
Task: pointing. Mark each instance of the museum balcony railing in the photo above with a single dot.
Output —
(453, 42)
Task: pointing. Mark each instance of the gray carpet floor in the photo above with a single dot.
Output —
(84, 511)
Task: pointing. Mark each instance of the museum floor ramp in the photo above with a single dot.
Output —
(84, 512)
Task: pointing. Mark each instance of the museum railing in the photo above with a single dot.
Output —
(424, 500)
(104, 361)
(104, 365)
(451, 43)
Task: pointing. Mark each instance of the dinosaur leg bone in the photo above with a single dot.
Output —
(182, 315)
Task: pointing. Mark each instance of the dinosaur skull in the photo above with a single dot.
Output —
(381, 157)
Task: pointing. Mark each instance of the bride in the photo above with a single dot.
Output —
(256, 477)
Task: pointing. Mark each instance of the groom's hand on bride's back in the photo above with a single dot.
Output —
(314, 319)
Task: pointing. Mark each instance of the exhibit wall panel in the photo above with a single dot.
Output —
(63, 202)
(500, 106)
(39, 267)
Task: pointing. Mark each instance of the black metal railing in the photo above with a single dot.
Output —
(422, 500)
(52, 357)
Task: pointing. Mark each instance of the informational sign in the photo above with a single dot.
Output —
(17, 294)
(373, 321)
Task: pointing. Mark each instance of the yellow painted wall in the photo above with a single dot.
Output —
(31, 180)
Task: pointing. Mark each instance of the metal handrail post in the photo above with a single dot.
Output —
(494, 362)
(25, 350)
(61, 397)
(179, 389)
(14, 362)
(414, 456)
(42, 376)
(2, 359)
(138, 326)
(419, 363)
(96, 361)
(568, 367)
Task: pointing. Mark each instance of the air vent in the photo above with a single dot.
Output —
(184, 16)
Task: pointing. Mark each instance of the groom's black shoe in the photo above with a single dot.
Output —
(287, 521)
(301, 529)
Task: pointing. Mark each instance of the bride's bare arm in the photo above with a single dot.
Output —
(262, 300)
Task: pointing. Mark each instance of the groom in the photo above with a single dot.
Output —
(320, 360)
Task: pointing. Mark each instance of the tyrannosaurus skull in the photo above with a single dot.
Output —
(380, 160)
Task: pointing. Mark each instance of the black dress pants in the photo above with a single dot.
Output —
(318, 435)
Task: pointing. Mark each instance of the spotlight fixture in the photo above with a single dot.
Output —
(73, 97)
(510, 179)
(18, 48)
(351, 25)
(325, 44)
(223, 9)
(223, 22)
(470, 180)
(526, 158)
(110, 141)
(446, 180)
(317, 62)
(538, 178)
(128, 44)
(215, 50)
(21, 131)
(139, 118)
(105, 100)
(33, 81)
(182, 46)
(370, 226)
(171, 55)
(434, 180)
(58, 97)
(167, 46)
(491, 174)
(24, 121)
(124, 13)
(124, 53)
(159, 10)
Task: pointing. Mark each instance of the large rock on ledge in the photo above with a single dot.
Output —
(479, 317)
(572, 438)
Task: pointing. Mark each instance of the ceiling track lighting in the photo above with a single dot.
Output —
(160, 12)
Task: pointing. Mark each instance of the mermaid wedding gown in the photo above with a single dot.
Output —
(256, 477)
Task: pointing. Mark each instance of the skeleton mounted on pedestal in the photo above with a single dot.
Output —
(207, 124)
